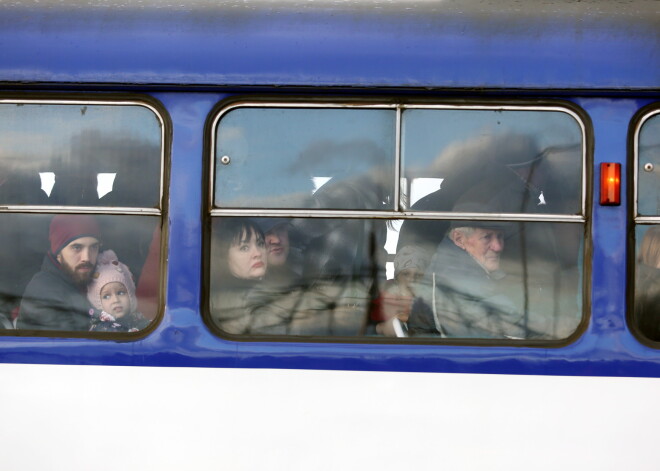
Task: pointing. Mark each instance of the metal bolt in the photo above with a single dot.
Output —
(225, 160)
(648, 167)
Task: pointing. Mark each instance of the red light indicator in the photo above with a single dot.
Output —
(610, 184)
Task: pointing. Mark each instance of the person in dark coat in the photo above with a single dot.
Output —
(56, 297)
(464, 291)
(465, 297)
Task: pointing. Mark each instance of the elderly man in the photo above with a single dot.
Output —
(56, 297)
(464, 295)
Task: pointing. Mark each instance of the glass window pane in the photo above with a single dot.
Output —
(305, 158)
(49, 283)
(347, 278)
(647, 282)
(295, 276)
(502, 280)
(535, 157)
(80, 155)
(648, 172)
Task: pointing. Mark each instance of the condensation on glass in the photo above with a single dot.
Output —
(101, 158)
(645, 312)
(397, 221)
(536, 154)
(648, 166)
(281, 158)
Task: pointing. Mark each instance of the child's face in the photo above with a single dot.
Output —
(409, 276)
(114, 299)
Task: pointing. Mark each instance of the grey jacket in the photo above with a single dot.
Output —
(459, 299)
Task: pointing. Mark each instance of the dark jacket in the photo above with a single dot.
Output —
(460, 299)
(101, 321)
(53, 301)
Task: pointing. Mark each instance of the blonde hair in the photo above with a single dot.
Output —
(649, 251)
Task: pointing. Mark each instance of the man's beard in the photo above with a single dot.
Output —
(79, 278)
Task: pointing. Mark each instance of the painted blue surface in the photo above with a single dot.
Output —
(606, 348)
(441, 44)
(430, 47)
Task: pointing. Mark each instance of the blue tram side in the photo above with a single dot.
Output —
(189, 63)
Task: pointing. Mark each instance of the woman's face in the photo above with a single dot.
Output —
(247, 258)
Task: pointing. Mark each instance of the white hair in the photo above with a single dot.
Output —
(467, 231)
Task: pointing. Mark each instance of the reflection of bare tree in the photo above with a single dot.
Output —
(21, 186)
(332, 158)
(345, 244)
(511, 162)
(135, 162)
(474, 156)
(344, 256)
(540, 257)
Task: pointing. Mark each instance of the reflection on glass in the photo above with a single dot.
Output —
(44, 286)
(47, 182)
(535, 155)
(295, 276)
(322, 277)
(55, 154)
(647, 282)
(501, 280)
(105, 183)
(305, 158)
(648, 171)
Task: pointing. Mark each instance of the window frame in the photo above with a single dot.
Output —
(161, 211)
(399, 104)
(144, 101)
(642, 116)
(636, 125)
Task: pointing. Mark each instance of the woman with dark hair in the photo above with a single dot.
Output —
(240, 263)
(647, 285)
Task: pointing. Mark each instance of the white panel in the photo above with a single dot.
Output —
(110, 418)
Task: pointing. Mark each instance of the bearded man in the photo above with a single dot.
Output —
(56, 297)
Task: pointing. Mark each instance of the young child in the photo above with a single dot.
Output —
(112, 294)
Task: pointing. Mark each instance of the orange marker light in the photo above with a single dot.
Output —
(610, 184)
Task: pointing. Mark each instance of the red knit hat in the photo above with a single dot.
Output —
(65, 228)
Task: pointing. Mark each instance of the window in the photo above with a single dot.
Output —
(78, 179)
(281, 157)
(646, 151)
(379, 221)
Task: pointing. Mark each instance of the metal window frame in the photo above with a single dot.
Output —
(399, 105)
(165, 124)
(397, 213)
(636, 130)
(95, 209)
